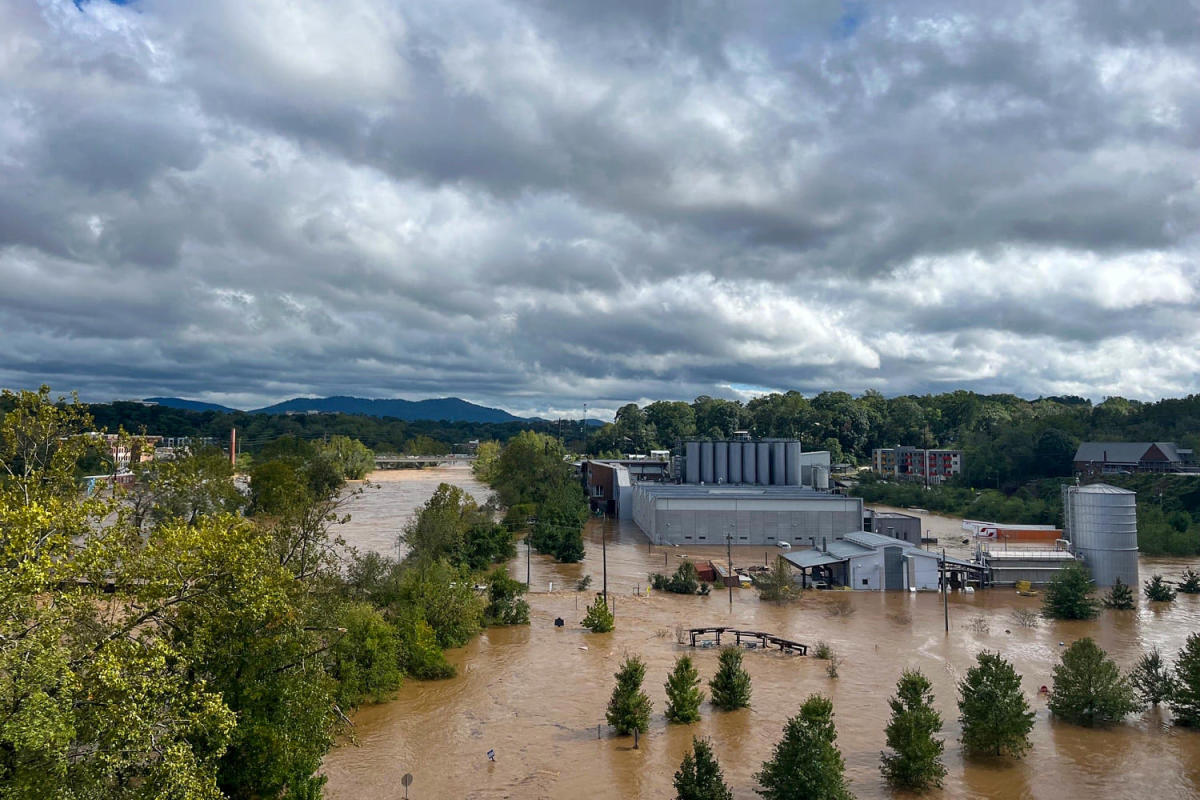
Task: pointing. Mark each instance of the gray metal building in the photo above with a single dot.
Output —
(752, 515)
(893, 524)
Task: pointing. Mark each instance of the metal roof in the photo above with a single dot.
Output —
(1101, 488)
(805, 559)
(734, 491)
(875, 540)
(1123, 452)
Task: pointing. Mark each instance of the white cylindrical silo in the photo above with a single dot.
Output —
(1102, 528)
(721, 462)
(749, 462)
(778, 465)
(735, 462)
(820, 477)
(792, 454)
(692, 468)
(706, 462)
(764, 463)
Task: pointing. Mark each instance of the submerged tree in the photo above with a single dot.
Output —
(1158, 590)
(1068, 595)
(629, 707)
(683, 692)
(730, 686)
(1189, 582)
(598, 618)
(505, 604)
(1089, 689)
(686, 580)
(778, 586)
(1185, 693)
(916, 759)
(995, 716)
(806, 762)
(699, 776)
(1119, 597)
(1152, 678)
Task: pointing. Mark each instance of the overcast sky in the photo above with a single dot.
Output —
(540, 204)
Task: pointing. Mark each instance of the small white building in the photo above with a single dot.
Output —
(870, 562)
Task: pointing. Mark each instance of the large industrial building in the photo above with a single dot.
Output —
(747, 493)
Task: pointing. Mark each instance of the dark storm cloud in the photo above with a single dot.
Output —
(540, 204)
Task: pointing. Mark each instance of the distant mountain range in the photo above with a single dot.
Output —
(451, 409)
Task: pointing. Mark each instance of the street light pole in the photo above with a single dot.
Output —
(729, 577)
(604, 558)
(945, 591)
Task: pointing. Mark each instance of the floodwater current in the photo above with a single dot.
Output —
(536, 694)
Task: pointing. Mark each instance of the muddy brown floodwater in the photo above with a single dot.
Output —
(535, 694)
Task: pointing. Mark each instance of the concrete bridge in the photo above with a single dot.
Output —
(393, 461)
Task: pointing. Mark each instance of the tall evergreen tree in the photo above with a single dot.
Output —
(994, 713)
(1185, 694)
(1068, 595)
(1089, 689)
(629, 707)
(1152, 678)
(1158, 590)
(916, 758)
(1119, 597)
(699, 776)
(806, 764)
(730, 686)
(683, 692)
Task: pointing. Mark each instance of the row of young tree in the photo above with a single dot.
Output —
(184, 637)
(995, 718)
(1069, 594)
(533, 481)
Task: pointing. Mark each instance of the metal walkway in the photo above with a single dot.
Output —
(756, 639)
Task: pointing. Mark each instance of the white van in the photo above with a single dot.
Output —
(782, 545)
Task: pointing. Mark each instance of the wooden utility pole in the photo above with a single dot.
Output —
(945, 591)
(729, 577)
(604, 559)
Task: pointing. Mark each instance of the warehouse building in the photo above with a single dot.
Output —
(783, 515)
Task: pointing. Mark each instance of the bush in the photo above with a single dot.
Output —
(686, 580)
(1189, 582)
(598, 619)
(699, 776)
(916, 759)
(823, 651)
(805, 762)
(994, 713)
(1068, 595)
(420, 655)
(730, 687)
(777, 586)
(1158, 590)
(683, 692)
(629, 707)
(505, 605)
(1088, 688)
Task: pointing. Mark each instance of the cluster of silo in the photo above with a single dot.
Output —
(1100, 521)
(766, 463)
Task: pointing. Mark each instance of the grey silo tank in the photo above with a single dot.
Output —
(693, 462)
(1102, 527)
(749, 460)
(778, 464)
(820, 477)
(764, 463)
(721, 462)
(735, 462)
(706, 462)
(792, 453)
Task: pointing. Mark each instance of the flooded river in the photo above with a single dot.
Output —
(536, 694)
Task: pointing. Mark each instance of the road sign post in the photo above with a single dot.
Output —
(406, 782)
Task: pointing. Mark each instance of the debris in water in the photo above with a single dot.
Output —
(583, 647)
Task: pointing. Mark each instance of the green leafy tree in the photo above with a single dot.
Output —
(806, 763)
(1185, 694)
(699, 776)
(1189, 582)
(350, 457)
(419, 654)
(1089, 689)
(730, 686)
(995, 716)
(1158, 590)
(1119, 597)
(629, 707)
(1068, 595)
(1152, 678)
(559, 527)
(778, 586)
(529, 468)
(683, 692)
(444, 596)
(364, 660)
(486, 456)
(686, 580)
(599, 618)
(916, 759)
(505, 604)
